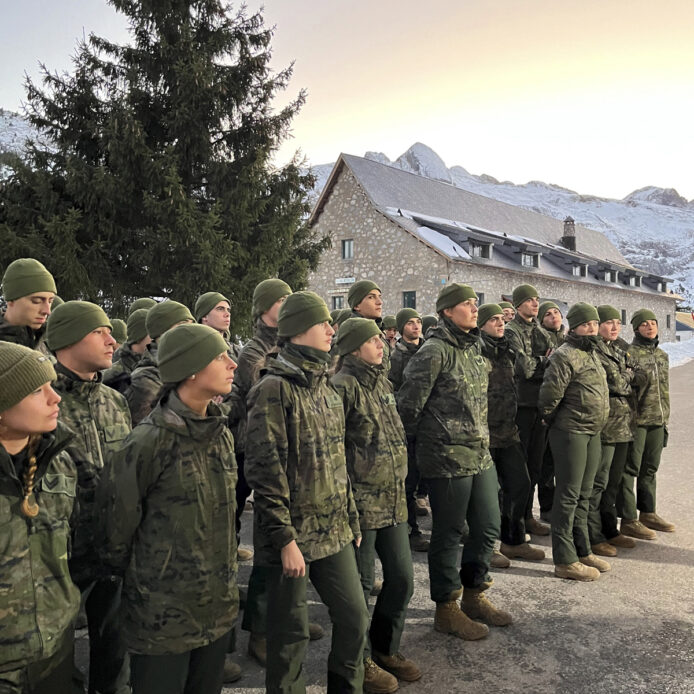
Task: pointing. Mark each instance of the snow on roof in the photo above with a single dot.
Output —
(443, 243)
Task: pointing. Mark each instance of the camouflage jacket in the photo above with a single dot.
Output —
(118, 376)
(530, 342)
(387, 349)
(20, 334)
(145, 385)
(556, 337)
(38, 600)
(295, 462)
(443, 403)
(375, 443)
(169, 522)
(653, 407)
(574, 395)
(501, 393)
(100, 420)
(400, 358)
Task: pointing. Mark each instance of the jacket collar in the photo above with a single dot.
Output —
(70, 381)
(366, 374)
(173, 414)
(445, 330)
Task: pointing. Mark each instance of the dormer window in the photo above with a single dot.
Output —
(634, 281)
(580, 270)
(480, 250)
(610, 275)
(530, 259)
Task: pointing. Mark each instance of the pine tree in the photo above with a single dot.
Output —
(153, 173)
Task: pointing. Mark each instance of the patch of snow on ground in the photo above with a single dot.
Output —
(679, 352)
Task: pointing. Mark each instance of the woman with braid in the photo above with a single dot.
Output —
(38, 482)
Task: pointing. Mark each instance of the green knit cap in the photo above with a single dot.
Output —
(428, 322)
(144, 302)
(119, 331)
(506, 304)
(343, 315)
(354, 332)
(206, 303)
(359, 290)
(266, 294)
(487, 311)
(452, 294)
(640, 316)
(71, 321)
(26, 276)
(334, 314)
(299, 312)
(544, 307)
(403, 315)
(388, 322)
(57, 301)
(165, 315)
(137, 328)
(581, 313)
(22, 371)
(187, 349)
(607, 312)
(522, 293)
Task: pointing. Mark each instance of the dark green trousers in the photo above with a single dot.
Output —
(602, 476)
(533, 435)
(199, 671)
(50, 676)
(576, 460)
(643, 461)
(392, 546)
(515, 487)
(474, 498)
(255, 612)
(336, 578)
(608, 503)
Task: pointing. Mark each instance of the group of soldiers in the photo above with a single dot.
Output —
(129, 451)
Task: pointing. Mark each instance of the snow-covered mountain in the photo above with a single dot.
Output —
(14, 130)
(652, 227)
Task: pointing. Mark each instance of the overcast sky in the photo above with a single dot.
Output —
(594, 95)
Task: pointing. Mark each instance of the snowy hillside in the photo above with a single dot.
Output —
(652, 227)
(14, 130)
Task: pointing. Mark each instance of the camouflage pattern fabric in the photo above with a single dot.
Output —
(118, 376)
(653, 408)
(501, 392)
(530, 341)
(38, 600)
(100, 420)
(375, 443)
(400, 358)
(556, 337)
(296, 465)
(443, 403)
(168, 501)
(145, 385)
(20, 334)
(574, 396)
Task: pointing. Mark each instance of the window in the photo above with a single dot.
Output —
(610, 275)
(668, 320)
(338, 302)
(634, 281)
(529, 260)
(480, 298)
(347, 249)
(580, 271)
(480, 250)
(624, 316)
(409, 299)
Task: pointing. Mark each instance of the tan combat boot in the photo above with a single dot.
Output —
(655, 522)
(232, 670)
(377, 587)
(450, 619)
(634, 528)
(622, 541)
(315, 631)
(257, 648)
(533, 526)
(421, 506)
(476, 605)
(377, 680)
(244, 554)
(591, 560)
(398, 665)
(576, 572)
(499, 561)
(604, 549)
(522, 551)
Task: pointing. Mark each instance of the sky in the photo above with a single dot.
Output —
(592, 95)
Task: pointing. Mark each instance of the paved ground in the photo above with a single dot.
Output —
(631, 631)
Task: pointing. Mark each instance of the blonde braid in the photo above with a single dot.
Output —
(29, 507)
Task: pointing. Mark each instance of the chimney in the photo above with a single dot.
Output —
(569, 238)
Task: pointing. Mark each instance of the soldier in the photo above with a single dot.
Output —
(214, 309)
(145, 384)
(650, 436)
(428, 322)
(390, 330)
(550, 318)
(509, 311)
(130, 354)
(29, 290)
(443, 405)
(119, 332)
(145, 302)
(624, 378)
(168, 501)
(79, 334)
(364, 298)
(377, 465)
(38, 482)
(574, 403)
(532, 346)
(504, 441)
(306, 520)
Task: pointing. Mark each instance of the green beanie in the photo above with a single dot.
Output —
(428, 322)
(119, 331)
(544, 307)
(354, 332)
(642, 315)
(334, 314)
(187, 349)
(403, 315)
(266, 294)
(581, 313)
(26, 276)
(388, 322)
(359, 290)
(343, 315)
(487, 311)
(145, 302)
(452, 294)
(206, 303)
(137, 328)
(522, 293)
(301, 311)
(165, 315)
(56, 302)
(505, 304)
(607, 312)
(22, 371)
(71, 321)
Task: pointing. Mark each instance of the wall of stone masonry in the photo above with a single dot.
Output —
(399, 262)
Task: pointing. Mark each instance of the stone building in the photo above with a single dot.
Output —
(412, 235)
